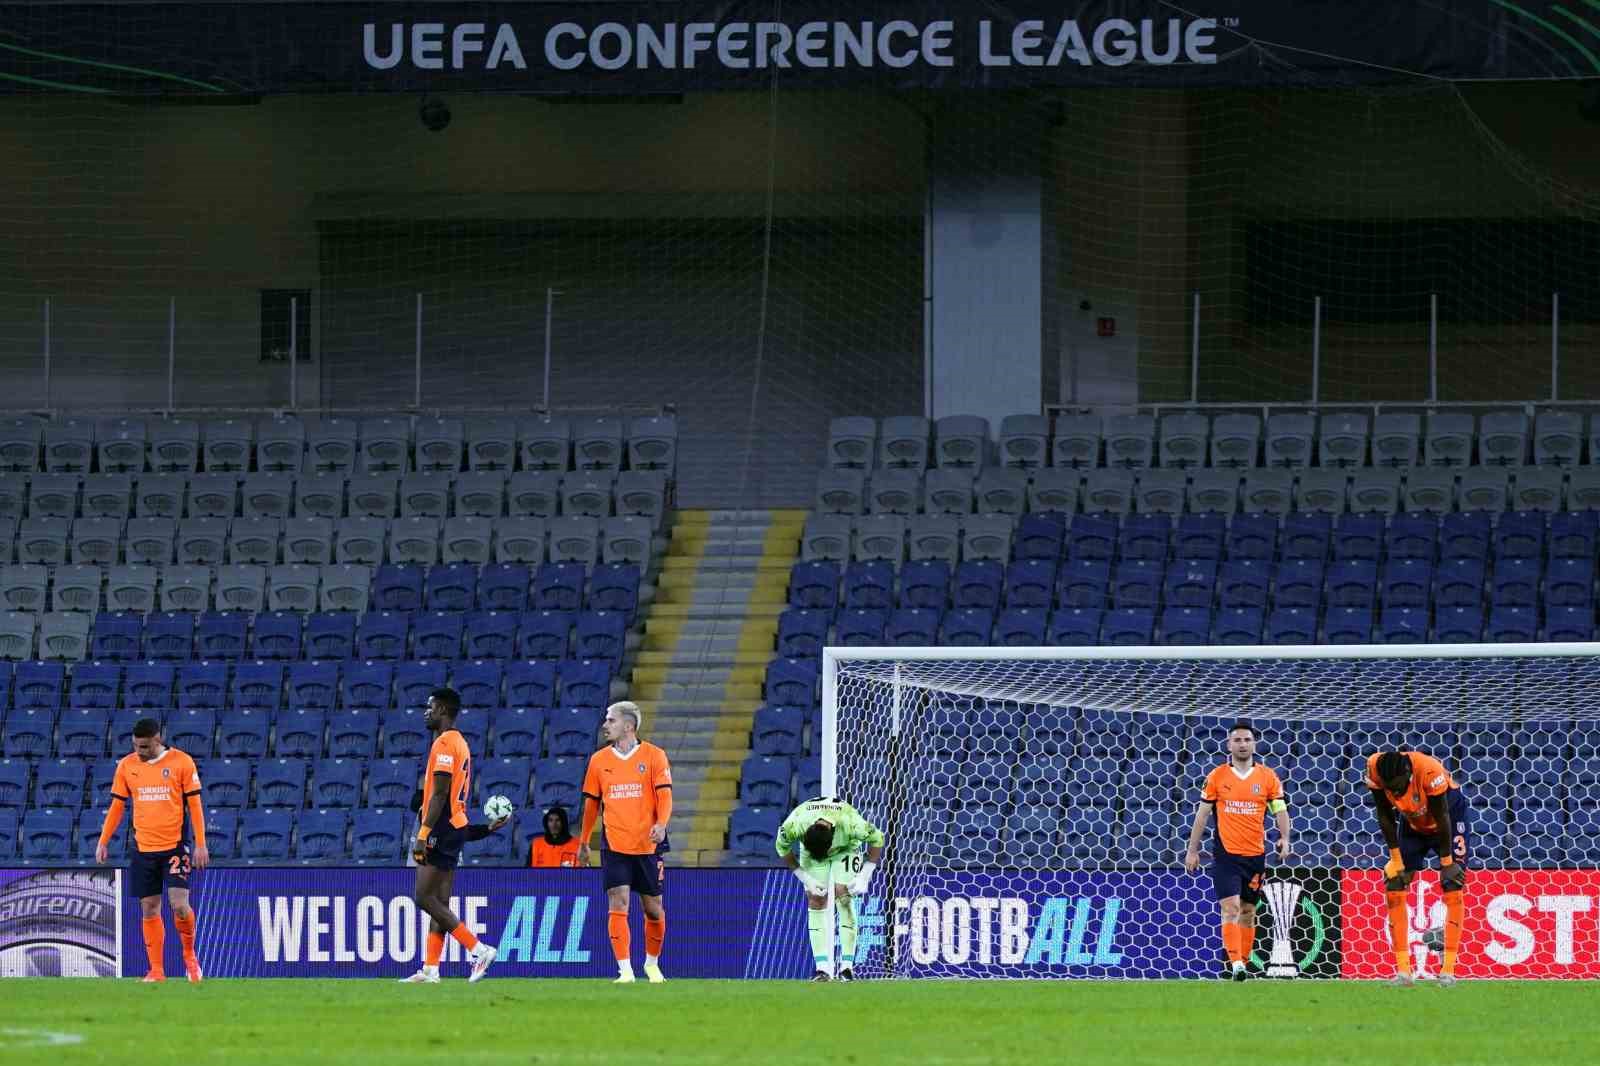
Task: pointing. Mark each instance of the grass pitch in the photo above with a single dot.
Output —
(766, 1023)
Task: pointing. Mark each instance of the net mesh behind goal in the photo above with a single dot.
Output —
(1037, 808)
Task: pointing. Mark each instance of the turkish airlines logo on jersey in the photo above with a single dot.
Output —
(1518, 923)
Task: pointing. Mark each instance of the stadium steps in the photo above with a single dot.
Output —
(699, 669)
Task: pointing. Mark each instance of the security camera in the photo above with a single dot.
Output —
(433, 113)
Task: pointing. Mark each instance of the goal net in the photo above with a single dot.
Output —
(1037, 802)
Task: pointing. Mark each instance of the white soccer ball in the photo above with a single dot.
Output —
(498, 807)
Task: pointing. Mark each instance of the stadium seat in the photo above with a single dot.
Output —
(1244, 583)
(316, 684)
(293, 587)
(226, 781)
(1190, 584)
(14, 775)
(1350, 584)
(1128, 626)
(558, 779)
(437, 635)
(337, 783)
(264, 835)
(1403, 625)
(353, 734)
(1292, 625)
(978, 584)
(1137, 584)
(530, 683)
(68, 445)
(1567, 624)
(281, 783)
(414, 682)
(505, 587)
(96, 541)
(48, 835)
(754, 830)
(600, 635)
(869, 585)
(791, 682)
(517, 731)
(573, 731)
(221, 635)
(1518, 625)
(1516, 582)
(28, 732)
(320, 836)
(148, 686)
(202, 685)
(1348, 625)
(277, 636)
(615, 587)
(1185, 625)
(913, 627)
(1459, 625)
(967, 627)
(242, 733)
(344, 588)
(895, 492)
(559, 587)
(929, 538)
(361, 541)
(584, 682)
(331, 635)
(116, 637)
(1240, 625)
(81, 734)
(299, 733)
(1407, 583)
(42, 541)
(308, 540)
(491, 634)
(1570, 583)
(544, 634)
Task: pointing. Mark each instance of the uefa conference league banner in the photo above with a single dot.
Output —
(655, 46)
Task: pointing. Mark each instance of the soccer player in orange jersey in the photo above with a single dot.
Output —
(1432, 817)
(163, 787)
(1241, 792)
(630, 781)
(446, 783)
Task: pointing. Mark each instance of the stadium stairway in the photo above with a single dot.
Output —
(699, 671)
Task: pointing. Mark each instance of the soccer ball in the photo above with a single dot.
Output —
(497, 807)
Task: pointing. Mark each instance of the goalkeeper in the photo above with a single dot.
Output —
(830, 833)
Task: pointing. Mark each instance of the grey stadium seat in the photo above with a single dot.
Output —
(519, 540)
(1503, 438)
(1077, 441)
(1161, 491)
(947, 492)
(534, 494)
(213, 496)
(97, 541)
(597, 443)
(202, 541)
(411, 540)
(1342, 439)
(375, 496)
(1290, 437)
(53, 496)
(159, 495)
(68, 445)
(587, 493)
(108, 496)
(254, 541)
(1213, 491)
(1583, 489)
(1271, 491)
(8, 539)
(13, 495)
(440, 443)
(1557, 438)
(574, 539)
(360, 540)
(1054, 489)
(1108, 492)
(385, 445)
(293, 587)
(894, 492)
(852, 442)
(21, 443)
(1397, 439)
(267, 496)
(986, 537)
(1430, 490)
(1450, 438)
(481, 494)
(466, 539)
(1538, 488)
(131, 588)
(545, 442)
(825, 538)
(174, 445)
(1185, 436)
(903, 442)
(241, 588)
(345, 588)
(330, 446)
(1001, 490)
(961, 441)
(64, 635)
(1325, 491)
(22, 587)
(1130, 441)
(16, 635)
(1378, 490)
(280, 445)
(491, 443)
(934, 537)
(426, 495)
(840, 492)
(642, 493)
(150, 540)
(185, 588)
(308, 540)
(1024, 441)
(626, 539)
(43, 541)
(319, 496)
(880, 536)
(1235, 440)
(121, 444)
(226, 445)
(76, 588)
(1484, 488)
(653, 442)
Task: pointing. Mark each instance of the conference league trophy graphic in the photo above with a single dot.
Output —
(1283, 897)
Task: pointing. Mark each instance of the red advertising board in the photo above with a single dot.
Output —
(1518, 923)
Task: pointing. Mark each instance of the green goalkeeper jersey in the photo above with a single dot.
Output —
(850, 830)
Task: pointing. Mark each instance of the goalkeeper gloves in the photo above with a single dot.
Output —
(858, 884)
(812, 887)
(1396, 866)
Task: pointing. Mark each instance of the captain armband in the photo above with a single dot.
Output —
(1277, 806)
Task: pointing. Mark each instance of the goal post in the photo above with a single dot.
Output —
(1037, 801)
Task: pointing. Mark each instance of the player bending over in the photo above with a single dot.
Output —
(1242, 792)
(447, 777)
(1433, 817)
(831, 834)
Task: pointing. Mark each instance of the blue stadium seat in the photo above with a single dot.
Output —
(1570, 583)
(600, 635)
(925, 584)
(559, 587)
(978, 584)
(1253, 536)
(1245, 583)
(281, 783)
(14, 778)
(506, 777)
(1092, 537)
(1464, 535)
(1190, 583)
(48, 836)
(1573, 534)
(792, 682)
(574, 730)
(1514, 625)
(913, 627)
(1030, 583)
(1412, 536)
(392, 782)
(808, 777)
(530, 683)
(1358, 538)
(1459, 625)
(264, 835)
(169, 637)
(585, 682)
(337, 783)
(869, 585)
(1199, 537)
(148, 686)
(1083, 583)
(517, 731)
(299, 733)
(437, 635)
(415, 681)
(367, 685)
(59, 783)
(1566, 624)
(504, 587)
(397, 588)
(1348, 625)
(29, 731)
(778, 731)
(1021, 627)
(330, 635)
(859, 629)
(1238, 625)
(1072, 627)
(1515, 583)
(222, 634)
(966, 627)
(1292, 625)
(116, 637)
(1352, 584)
(277, 636)
(615, 587)
(559, 779)
(320, 836)
(1127, 626)
(1519, 535)
(242, 733)
(764, 780)
(544, 634)
(353, 734)
(491, 634)
(315, 684)
(1403, 625)
(38, 684)
(1137, 584)
(203, 685)
(1144, 536)
(81, 734)
(814, 584)
(95, 684)
(754, 830)
(1407, 583)
(226, 782)
(1307, 536)
(87, 835)
(383, 635)
(478, 682)
(1040, 536)
(376, 835)
(1185, 625)
(453, 587)
(802, 633)
(1459, 583)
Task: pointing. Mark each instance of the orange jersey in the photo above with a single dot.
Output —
(629, 790)
(158, 792)
(1428, 778)
(449, 755)
(1241, 803)
(544, 853)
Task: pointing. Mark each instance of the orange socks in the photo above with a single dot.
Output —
(434, 951)
(617, 925)
(1454, 906)
(464, 936)
(1247, 940)
(1230, 941)
(185, 933)
(155, 942)
(655, 931)
(1399, 930)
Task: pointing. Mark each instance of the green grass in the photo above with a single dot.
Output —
(766, 1023)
